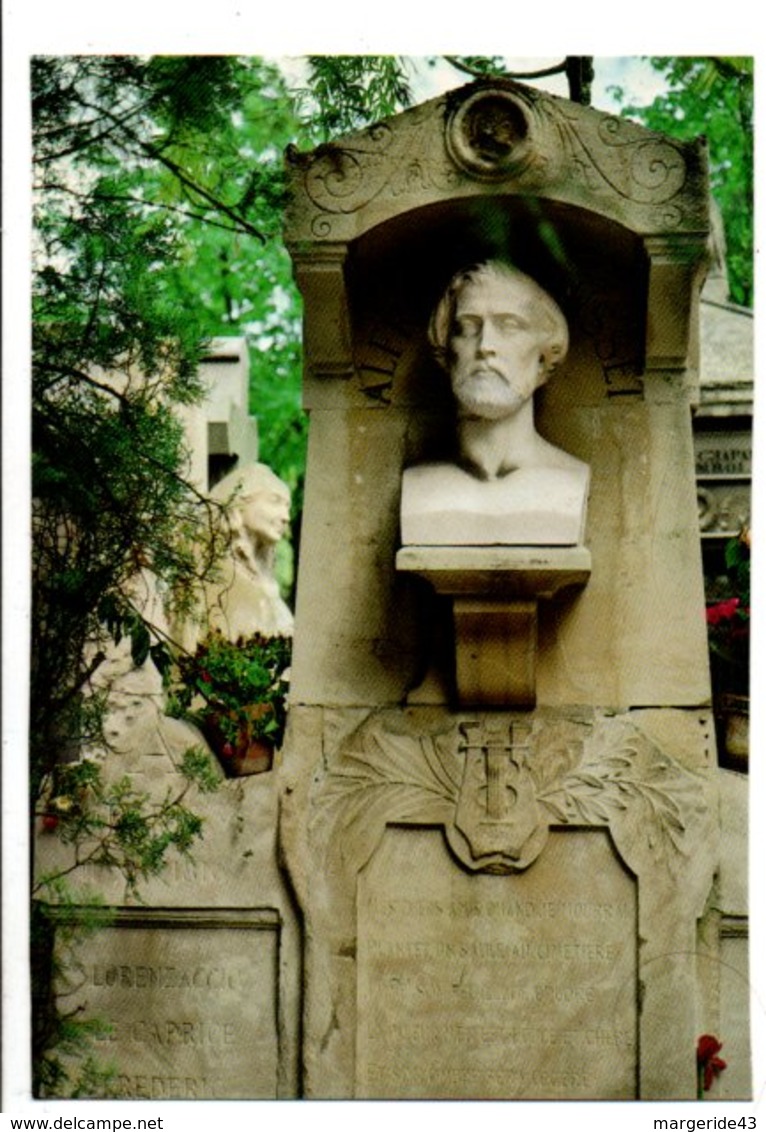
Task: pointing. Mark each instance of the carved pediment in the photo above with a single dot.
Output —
(497, 136)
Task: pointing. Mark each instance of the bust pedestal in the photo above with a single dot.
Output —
(495, 591)
(496, 548)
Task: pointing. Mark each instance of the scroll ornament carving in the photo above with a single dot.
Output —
(343, 179)
(498, 783)
(494, 133)
(404, 157)
(618, 156)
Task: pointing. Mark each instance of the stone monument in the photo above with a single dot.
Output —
(246, 599)
(194, 983)
(499, 797)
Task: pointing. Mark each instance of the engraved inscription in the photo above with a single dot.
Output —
(496, 986)
(189, 1011)
(724, 468)
(724, 453)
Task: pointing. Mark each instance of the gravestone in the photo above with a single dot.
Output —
(186, 1001)
(191, 983)
(499, 800)
(497, 986)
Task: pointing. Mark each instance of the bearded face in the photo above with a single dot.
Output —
(495, 348)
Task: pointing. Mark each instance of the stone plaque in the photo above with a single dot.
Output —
(726, 453)
(190, 1000)
(520, 986)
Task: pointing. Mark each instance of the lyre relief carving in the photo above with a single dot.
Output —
(497, 811)
(496, 783)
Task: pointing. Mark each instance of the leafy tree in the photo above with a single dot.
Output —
(714, 96)
(111, 356)
(113, 353)
(158, 195)
(159, 190)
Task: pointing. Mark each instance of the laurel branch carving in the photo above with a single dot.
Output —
(608, 774)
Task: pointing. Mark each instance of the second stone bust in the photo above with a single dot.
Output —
(499, 336)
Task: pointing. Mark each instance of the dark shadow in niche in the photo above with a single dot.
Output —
(595, 269)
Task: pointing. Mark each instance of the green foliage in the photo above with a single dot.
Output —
(228, 680)
(348, 92)
(110, 824)
(713, 96)
(197, 768)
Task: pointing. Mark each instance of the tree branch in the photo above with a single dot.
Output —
(217, 204)
(476, 73)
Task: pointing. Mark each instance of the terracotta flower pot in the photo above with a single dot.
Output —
(257, 758)
(249, 755)
(735, 711)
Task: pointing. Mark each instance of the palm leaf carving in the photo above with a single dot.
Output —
(384, 776)
(608, 774)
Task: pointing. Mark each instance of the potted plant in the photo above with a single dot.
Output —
(236, 694)
(728, 621)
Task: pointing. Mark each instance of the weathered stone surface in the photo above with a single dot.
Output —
(647, 577)
(502, 787)
(232, 877)
(737, 995)
(187, 1001)
(359, 643)
(497, 987)
(619, 751)
(734, 821)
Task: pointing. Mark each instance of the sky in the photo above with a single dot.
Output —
(636, 75)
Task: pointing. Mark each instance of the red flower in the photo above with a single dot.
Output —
(49, 823)
(227, 751)
(723, 611)
(709, 1065)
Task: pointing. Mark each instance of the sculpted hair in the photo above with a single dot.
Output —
(546, 311)
(244, 485)
(249, 482)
